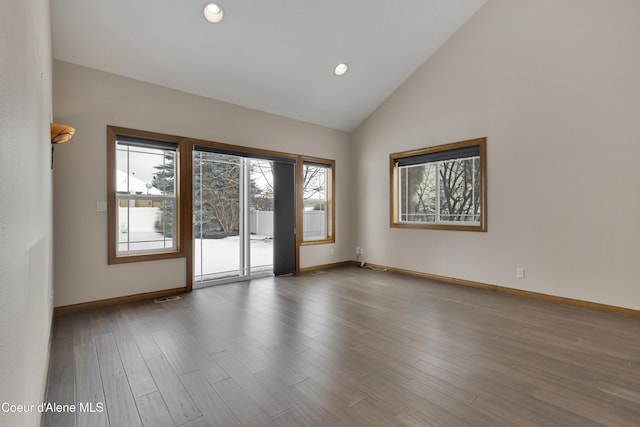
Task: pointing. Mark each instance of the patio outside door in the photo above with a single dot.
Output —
(233, 224)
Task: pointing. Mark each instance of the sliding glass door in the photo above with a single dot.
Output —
(261, 215)
(233, 224)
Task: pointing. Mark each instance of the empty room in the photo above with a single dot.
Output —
(337, 213)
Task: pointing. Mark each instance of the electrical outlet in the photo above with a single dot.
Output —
(357, 250)
(520, 272)
(331, 251)
(361, 251)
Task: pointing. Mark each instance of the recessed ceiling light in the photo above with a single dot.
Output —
(340, 69)
(213, 13)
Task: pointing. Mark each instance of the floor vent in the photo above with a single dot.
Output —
(313, 273)
(166, 299)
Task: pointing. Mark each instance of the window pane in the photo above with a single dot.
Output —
(261, 215)
(216, 213)
(418, 193)
(459, 190)
(122, 181)
(145, 225)
(145, 170)
(315, 202)
(217, 195)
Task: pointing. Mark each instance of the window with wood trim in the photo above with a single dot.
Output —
(441, 187)
(317, 204)
(144, 220)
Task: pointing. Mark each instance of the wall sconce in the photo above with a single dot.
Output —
(59, 135)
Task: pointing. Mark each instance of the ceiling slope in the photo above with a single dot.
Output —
(276, 56)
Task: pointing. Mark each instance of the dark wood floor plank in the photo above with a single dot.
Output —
(340, 350)
(432, 403)
(177, 356)
(349, 379)
(202, 360)
(62, 327)
(350, 371)
(247, 358)
(138, 374)
(108, 357)
(141, 333)
(325, 396)
(276, 358)
(632, 396)
(102, 321)
(322, 375)
(198, 422)
(178, 401)
(242, 406)
(119, 326)
(364, 363)
(61, 383)
(207, 340)
(250, 384)
(424, 386)
(348, 347)
(120, 405)
(429, 418)
(89, 387)
(277, 341)
(288, 419)
(82, 333)
(301, 409)
(211, 405)
(153, 411)
(365, 413)
(544, 396)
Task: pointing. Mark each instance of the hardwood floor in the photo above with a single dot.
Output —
(347, 347)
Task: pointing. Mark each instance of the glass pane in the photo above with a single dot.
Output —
(216, 211)
(261, 215)
(459, 190)
(146, 225)
(122, 181)
(145, 170)
(418, 193)
(315, 202)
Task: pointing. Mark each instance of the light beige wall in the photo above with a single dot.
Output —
(89, 100)
(25, 205)
(554, 85)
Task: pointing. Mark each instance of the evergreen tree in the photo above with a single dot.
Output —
(164, 180)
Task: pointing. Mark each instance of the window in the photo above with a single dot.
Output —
(154, 204)
(316, 180)
(441, 187)
(143, 197)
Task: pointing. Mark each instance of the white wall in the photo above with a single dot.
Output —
(25, 205)
(89, 100)
(555, 87)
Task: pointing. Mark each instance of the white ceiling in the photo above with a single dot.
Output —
(276, 56)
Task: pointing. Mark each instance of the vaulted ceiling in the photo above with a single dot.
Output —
(276, 56)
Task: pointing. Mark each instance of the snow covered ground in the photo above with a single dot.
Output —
(215, 258)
